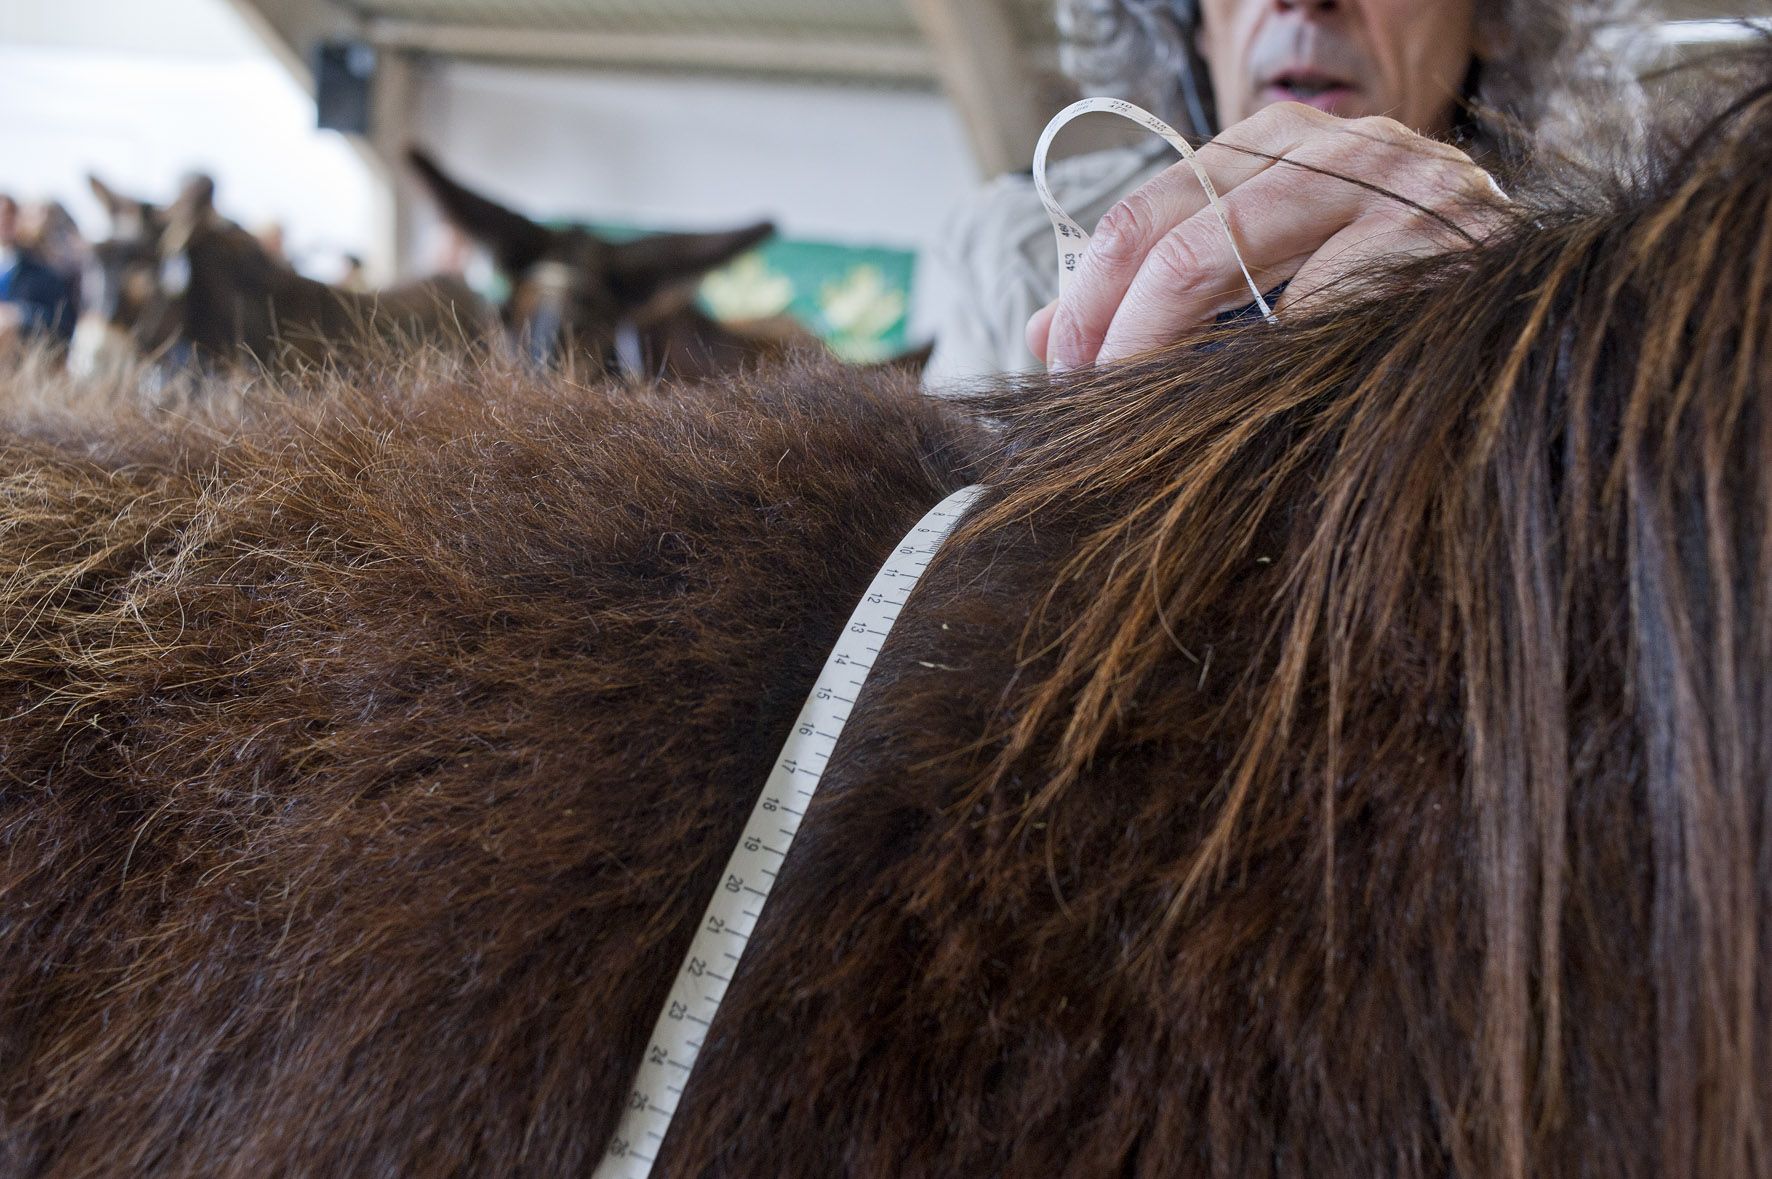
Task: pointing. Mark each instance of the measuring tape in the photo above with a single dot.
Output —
(1072, 240)
(732, 915)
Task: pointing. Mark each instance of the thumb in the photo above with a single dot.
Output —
(1039, 330)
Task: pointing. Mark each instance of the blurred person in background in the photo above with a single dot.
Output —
(39, 304)
(56, 239)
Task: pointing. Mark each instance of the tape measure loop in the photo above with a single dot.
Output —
(1073, 240)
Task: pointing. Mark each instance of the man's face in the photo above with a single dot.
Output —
(1402, 58)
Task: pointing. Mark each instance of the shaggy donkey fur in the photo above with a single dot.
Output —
(1342, 752)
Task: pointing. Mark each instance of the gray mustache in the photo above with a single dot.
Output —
(1292, 44)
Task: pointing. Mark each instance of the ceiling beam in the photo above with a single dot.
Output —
(988, 75)
(291, 28)
(1713, 32)
(393, 122)
(888, 61)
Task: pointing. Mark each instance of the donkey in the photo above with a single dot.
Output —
(186, 277)
(618, 307)
(125, 312)
(1341, 750)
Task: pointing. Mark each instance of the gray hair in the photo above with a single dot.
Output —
(1551, 69)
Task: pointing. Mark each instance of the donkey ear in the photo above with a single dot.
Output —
(515, 240)
(129, 217)
(196, 197)
(107, 196)
(193, 207)
(639, 268)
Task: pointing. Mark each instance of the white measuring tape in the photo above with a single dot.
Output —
(1072, 241)
(732, 915)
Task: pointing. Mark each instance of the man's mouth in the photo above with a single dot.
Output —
(1306, 86)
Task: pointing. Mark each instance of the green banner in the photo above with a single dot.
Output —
(857, 299)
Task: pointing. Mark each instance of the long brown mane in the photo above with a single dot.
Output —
(1338, 751)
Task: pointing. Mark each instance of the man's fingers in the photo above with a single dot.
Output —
(1337, 271)
(1389, 231)
(1415, 197)
(1039, 330)
(1132, 229)
(1279, 221)
(1117, 250)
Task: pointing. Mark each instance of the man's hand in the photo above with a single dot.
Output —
(1159, 265)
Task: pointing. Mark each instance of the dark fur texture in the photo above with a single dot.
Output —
(1342, 752)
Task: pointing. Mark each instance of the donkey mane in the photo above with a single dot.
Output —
(1334, 750)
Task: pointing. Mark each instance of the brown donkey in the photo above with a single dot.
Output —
(623, 308)
(126, 312)
(1343, 751)
(185, 276)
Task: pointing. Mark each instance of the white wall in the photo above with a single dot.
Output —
(160, 28)
(143, 92)
(846, 164)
